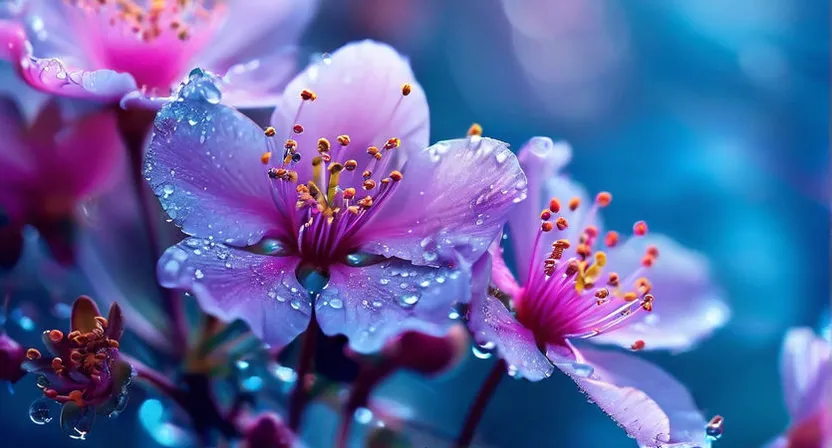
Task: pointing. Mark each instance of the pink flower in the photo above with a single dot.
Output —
(805, 370)
(48, 167)
(344, 188)
(106, 49)
(573, 288)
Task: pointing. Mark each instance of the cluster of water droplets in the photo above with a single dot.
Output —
(200, 85)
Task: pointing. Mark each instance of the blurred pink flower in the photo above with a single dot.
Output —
(106, 49)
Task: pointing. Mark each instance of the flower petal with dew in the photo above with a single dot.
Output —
(322, 193)
(110, 49)
(577, 282)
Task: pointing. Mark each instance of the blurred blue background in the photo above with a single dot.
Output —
(707, 118)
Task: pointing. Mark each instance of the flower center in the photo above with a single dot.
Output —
(153, 40)
(333, 195)
(573, 294)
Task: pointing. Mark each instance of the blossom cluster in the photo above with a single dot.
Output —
(339, 220)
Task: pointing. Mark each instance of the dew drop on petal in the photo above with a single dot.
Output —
(363, 415)
(40, 412)
(583, 370)
(336, 303)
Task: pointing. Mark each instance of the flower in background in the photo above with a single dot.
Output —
(85, 373)
(351, 193)
(269, 430)
(571, 289)
(805, 370)
(48, 167)
(106, 49)
(12, 356)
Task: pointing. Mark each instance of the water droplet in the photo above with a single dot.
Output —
(39, 411)
(326, 58)
(424, 283)
(483, 351)
(384, 281)
(363, 415)
(295, 304)
(409, 300)
(454, 314)
(336, 303)
(198, 274)
(512, 371)
(583, 370)
(76, 422)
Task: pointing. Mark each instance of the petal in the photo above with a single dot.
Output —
(84, 312)
(359, 93)
(805, 370)
(501, 275)
(492, 325)
(115, 322)
(204, 165)
(11, 244)
(235, 284)
(780, 442)
(259, 83)
(649, 404)
(269, 27)
(54, 76)
(371, 304)
(453, 200)
(688, 306)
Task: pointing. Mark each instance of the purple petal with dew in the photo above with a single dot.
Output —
(805, 371)
(453, 201)
(259, 82)
(371, 304)
(236, 284)
(54, 76)
(359, 94)
(688, 306)
(494, 328)
(645, 401)
(501, 275)
(204, 165)
(269, 27)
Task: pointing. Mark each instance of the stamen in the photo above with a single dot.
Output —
(475, 130)
(396, 176)
(344, 140)
(546, 226)
(308, 95)
(350, 165)
(266, 157)
(323, 145)
(637, 345)
(545, 215)
(406, 89)
(33, 354)
(554, 205)
(561, 223)
(56, 336)
(392, 143)
(270, 132)
(611, 239)
(297, 129)
(640, 228)
(574, 203)
(369, 184)
(603, 199)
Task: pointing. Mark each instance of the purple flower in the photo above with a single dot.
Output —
(106, 49)
(48, 167)
(572, 290)
(342, 186)
(12, 356)
(269, 430)
(84, 373)
(805, 370)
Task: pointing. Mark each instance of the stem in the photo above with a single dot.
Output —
(300, 394)
(477, 409)
(157, 380)
(367, 380)
(134, 127)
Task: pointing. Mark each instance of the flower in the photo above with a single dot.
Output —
(573, 290)
(49, 166)
(805, 370)
(85, 373)
(106, 49)
(350, 195)
(268, 429)
(11, 358)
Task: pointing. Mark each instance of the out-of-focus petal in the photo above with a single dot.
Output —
(84, 312)
(805, 371)
(11, 243)
(493, 326)
(259, 83)
(267, 27)
(54, 76)
(649, 404)
(501, 275)
(359, 94)
(688, 306)
(371, 304)
(204, 165)
(780, 442)
(235, 284)
(453, 200)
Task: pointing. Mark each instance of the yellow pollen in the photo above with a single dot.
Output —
(600, 259)
(308, 95)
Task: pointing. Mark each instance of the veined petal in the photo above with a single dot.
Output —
(204, 165)
(453, 201)
(805, 372)
(688, 306)
(649, 404)
(269, 27)
(359, 94)
(54, 76)
(371, 304)
(259, 82)
(493, 326)
(235, 284)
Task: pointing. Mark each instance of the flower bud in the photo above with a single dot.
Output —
(429, 355)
